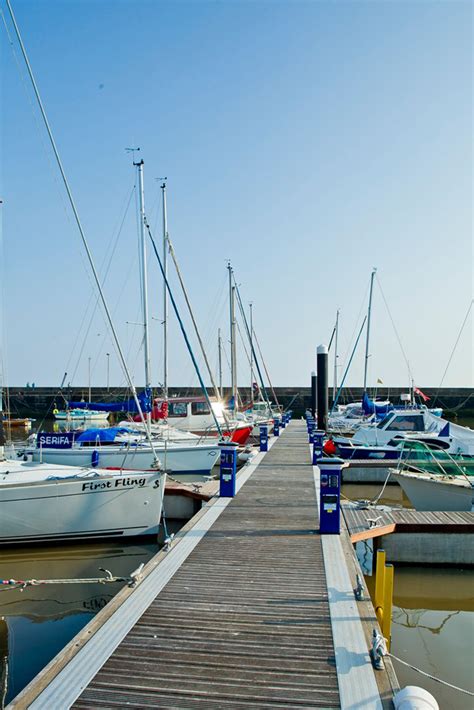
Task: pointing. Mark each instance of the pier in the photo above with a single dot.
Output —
(250, 608)
(415, 537)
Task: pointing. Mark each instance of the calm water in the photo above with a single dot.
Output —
(37, 623)
(433, 629)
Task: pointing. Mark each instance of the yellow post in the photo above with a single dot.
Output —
(387, 605)
(379, 584)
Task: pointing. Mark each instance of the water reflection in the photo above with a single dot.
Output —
(38, 621)
(433, 629)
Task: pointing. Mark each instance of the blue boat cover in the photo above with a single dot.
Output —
(102, 435)
(371, 407)
(127, 405)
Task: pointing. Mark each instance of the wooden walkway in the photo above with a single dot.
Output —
(245, 621)
(240, 614)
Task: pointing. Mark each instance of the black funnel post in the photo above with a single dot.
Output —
(322, 369)
(313, 406)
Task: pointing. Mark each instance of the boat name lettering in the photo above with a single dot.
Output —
(46, 440)
(116, 483)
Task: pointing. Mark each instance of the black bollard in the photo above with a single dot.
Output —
(313, 393)
(322, 386)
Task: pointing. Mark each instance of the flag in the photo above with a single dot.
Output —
(424, 396)
(379, 381)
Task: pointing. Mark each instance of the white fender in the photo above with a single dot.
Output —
(414, 698)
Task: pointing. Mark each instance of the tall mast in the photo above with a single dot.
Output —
(219, 351)
(146, 341)
(336, 331)
(369, 311)
(165, 293)
(233, 366)
(251, 352)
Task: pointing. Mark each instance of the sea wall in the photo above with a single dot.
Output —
(39, 401)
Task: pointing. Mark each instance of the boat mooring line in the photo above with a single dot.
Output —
(355, 675)
(70, 682)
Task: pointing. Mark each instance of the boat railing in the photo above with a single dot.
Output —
(408, 444)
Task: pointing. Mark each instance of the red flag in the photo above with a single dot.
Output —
(424, 396)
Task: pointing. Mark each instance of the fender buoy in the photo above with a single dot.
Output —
(95, 459)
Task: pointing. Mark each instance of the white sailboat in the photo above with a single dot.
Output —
(44, 502)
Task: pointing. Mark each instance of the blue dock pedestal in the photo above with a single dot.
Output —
(276, 427)
(318, 440)
(263, 437)
(330, 496)
(311, 435)
(283, 423)
(228, 469)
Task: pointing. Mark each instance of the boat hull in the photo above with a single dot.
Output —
(191, 459)
(432, 494)
(81, 508)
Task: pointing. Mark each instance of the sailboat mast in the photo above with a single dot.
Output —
(233, 368)
(165, 293)
(146, 340)
(219, 351)
(336, 332)
(369, 312)
(251, 352)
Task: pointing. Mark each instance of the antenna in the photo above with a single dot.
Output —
(132, 151)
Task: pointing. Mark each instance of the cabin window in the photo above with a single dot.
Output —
(405, 423)
(177, 409)
(200, 408)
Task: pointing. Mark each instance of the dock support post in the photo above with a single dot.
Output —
(322, 386)
(379, 585)
(387, 604)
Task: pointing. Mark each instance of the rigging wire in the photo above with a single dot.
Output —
(266, 371)
(453, 350)
(81, 231)
(394, 328)
(181, 325)
(348, 349)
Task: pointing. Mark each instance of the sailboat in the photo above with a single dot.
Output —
(129, 447)
(46, 502)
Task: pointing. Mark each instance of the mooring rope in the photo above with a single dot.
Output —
(428, 675)
(132, 579)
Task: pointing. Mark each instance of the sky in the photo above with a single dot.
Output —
(306, 142)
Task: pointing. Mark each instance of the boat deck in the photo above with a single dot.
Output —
(251, 608)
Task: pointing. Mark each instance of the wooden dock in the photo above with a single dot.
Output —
(251, 608)
(367, 523)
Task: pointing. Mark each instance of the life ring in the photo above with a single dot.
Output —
(55, 411)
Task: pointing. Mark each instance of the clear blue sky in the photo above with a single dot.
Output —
(305, 141)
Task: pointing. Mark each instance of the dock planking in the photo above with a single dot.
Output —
(404, 521)
(245, 621)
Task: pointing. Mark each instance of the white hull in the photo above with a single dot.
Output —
(175, 459)
(436, 493)
(77, 506)
(84, 417)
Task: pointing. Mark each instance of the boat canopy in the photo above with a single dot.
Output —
(371, 407)
(128, 405)
(103, 435)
